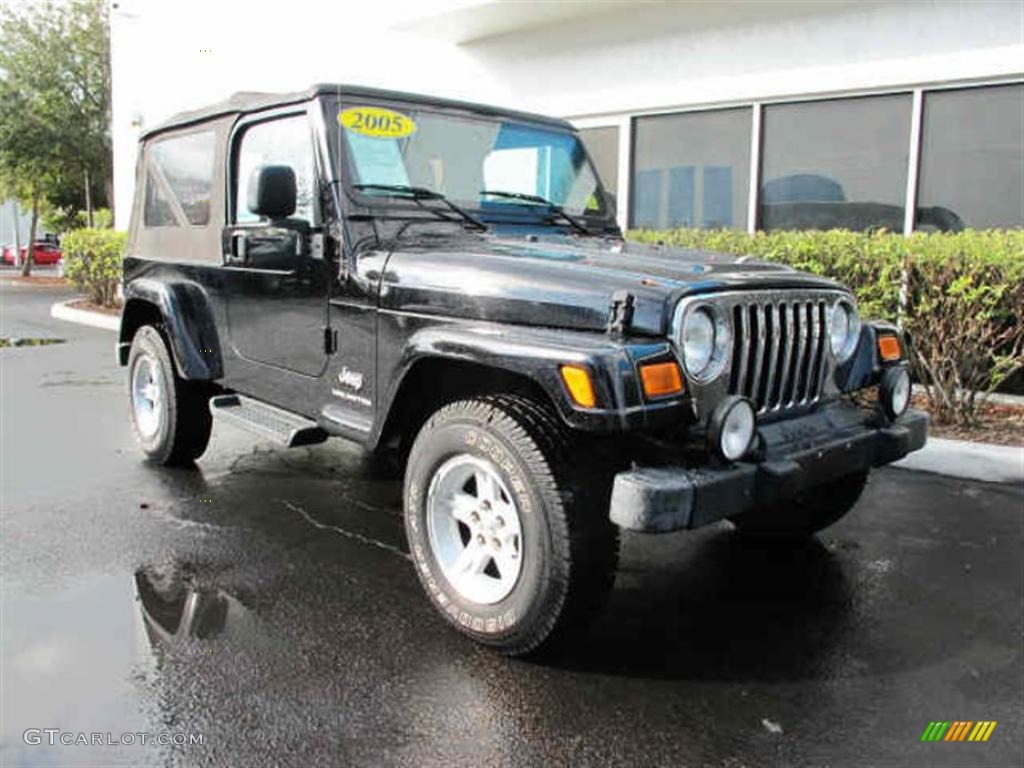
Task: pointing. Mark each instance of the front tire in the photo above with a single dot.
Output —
(170, 416)
(510, 537)
(806, 514)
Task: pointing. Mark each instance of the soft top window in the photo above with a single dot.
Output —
(179, 180)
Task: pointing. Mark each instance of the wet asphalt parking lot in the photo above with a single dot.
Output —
(265, 601)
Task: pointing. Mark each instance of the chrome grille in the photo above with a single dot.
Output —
(779, 354)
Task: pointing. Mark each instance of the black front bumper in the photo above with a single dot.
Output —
(798, 454)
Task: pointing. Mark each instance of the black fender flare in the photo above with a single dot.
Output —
(865, 366)
(188, 321)
(535, 355)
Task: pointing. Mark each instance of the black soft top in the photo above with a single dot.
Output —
(250, 101)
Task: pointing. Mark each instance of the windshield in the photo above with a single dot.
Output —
(488, 165)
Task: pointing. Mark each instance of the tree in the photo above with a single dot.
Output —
(55, 146)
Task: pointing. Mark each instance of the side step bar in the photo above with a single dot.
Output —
(283, 427)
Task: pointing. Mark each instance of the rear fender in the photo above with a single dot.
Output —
(184, 309)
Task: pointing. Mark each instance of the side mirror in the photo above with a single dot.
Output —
(272, 192)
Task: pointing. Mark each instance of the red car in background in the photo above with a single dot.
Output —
(45, 251)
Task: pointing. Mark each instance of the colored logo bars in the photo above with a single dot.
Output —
(959, 730)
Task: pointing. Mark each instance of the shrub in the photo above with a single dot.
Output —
(92, 262)
(965, 310)
(963, 296)
(59, 220)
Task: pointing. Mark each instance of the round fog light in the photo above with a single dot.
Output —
(894, 392)
(731, 428)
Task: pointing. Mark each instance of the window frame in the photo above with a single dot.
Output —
(234, 141)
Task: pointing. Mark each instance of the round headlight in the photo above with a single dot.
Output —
(844, 330)
(705, 339)
(702, 337)
(698, 341)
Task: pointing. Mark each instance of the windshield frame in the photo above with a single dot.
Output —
(510, 213)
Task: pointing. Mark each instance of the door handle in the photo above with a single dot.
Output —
(238, 250)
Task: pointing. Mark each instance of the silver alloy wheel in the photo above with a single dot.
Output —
(474, 529)
(147, 395)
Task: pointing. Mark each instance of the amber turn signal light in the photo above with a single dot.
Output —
(661, 379)
(889, 348)
(581, 388)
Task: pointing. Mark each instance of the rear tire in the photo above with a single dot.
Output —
(524, 566)
(817, 508)
(170, 416)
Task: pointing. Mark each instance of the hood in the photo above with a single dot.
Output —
(566, 283)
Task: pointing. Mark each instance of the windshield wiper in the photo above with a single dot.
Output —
(419, 194)
(556, 210)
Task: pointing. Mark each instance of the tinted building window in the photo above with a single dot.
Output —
(691, 170)
(285, 141)
(180, 174)
(840, 163)
(603, 146)
(972, 159)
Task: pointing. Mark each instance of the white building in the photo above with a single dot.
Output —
(10, 217)
(717, 114)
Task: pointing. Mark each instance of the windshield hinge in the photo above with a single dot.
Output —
(620, 312)
(336, 233)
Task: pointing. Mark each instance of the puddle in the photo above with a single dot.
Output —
(6, 341)
(68, 659)
(92, 658)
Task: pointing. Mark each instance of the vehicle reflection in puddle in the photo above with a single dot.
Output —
(178, 614)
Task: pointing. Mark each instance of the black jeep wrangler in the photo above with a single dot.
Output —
(445, 284)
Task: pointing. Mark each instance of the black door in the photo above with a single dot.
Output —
(276, 288)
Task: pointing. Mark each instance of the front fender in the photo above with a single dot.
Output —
(188, 320)
(537, 354)
(865, 366)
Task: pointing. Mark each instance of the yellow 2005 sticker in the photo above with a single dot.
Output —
(377, 122)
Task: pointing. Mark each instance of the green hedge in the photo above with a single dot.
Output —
(92, 262)
(963, 303)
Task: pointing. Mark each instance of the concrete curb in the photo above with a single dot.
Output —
(63, 311)
(970, 461)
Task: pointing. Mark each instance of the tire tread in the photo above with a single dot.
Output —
(587, 541)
